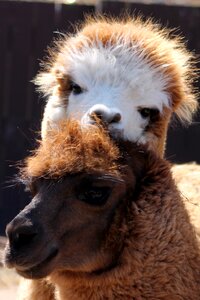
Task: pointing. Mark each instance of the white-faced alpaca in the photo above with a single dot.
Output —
(106, 222)
(129, 74)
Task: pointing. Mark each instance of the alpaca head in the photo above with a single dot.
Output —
(128, 74)
(81, 185)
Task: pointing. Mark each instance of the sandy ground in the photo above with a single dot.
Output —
(8, 293)
(8, 284)
(9, 280)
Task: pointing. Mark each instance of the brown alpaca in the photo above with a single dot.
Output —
(128, 73)
(106, 222)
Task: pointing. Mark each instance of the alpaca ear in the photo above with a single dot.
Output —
(47, 81)
(188, 106)
(181, 75)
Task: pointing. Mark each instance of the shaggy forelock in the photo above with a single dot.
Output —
(70, 149)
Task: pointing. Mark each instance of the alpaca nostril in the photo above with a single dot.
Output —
(23, 239)
(105, 115)
(116, 118)
(22, 236)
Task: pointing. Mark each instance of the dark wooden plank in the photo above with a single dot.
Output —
(70, 15)
(28, 31)
(114, 9)
(42, 27)
(15, 58)
(183, 143)
(2, 63)
(17, 139)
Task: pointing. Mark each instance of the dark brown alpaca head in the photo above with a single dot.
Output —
(81, 185)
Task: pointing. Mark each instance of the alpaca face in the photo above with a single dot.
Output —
(114, 84)
(67, 226)
(127, 73)
(81, 183)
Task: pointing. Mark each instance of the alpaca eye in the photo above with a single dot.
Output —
(75, 88)
(145, 112)
(95, 195)
(150, 113)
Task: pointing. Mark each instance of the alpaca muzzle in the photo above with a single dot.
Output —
(28, 249)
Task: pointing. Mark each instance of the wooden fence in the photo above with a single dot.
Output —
(26, 28)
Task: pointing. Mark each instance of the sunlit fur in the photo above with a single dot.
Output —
(139, 244)
(70, 150)
(123, 65)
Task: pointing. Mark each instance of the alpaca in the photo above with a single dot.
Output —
(129, 74)
(106, 222)
(100, 72)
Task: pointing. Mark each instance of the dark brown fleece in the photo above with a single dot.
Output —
(160, 257)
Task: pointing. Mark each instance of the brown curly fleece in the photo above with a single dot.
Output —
(71, 149)
(160, 257)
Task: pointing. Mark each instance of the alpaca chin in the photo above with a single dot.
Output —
(116, 134)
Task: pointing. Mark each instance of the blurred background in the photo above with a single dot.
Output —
(26, 28)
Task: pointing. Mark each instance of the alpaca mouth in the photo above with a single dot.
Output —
(39, 270)
(116, 133)
(113, 129)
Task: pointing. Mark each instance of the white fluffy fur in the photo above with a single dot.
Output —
(117, 77)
